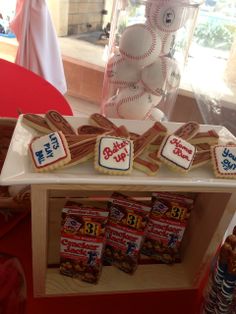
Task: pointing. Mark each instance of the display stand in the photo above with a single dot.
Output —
(213, 210)
(212, 213)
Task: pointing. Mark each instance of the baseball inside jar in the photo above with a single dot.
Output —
(148, 46)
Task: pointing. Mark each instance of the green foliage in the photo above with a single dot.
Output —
(231, 28)
(214, 35)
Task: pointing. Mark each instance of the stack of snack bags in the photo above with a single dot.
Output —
(167, 223)
(117, 235)
(125, 232)
(82, 241)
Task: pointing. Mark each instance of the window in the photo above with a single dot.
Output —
(211, 53)
(7, 11)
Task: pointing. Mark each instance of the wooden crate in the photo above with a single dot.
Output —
(213, 211)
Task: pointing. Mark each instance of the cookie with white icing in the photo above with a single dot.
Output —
(114, 155)
(224, 161)
(177, 153)
(49, 152)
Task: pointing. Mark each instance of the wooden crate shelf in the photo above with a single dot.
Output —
(146, 278)
(212, 213)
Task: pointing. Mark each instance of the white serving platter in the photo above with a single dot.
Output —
(17, 168)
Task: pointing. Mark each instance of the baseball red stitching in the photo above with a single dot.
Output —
(126, 100)
(150, 50)
(158, 91)
(110, 66)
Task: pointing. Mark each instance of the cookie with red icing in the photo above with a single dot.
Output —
(114, 155)
(177, 153)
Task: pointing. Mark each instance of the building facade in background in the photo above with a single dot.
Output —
(72, 17)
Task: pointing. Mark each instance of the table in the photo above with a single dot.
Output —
(28, 89)
(23, 91)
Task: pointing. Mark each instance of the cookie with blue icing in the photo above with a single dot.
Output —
(49, 152)
(224, 161)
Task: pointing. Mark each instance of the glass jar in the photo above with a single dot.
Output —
(148, 47)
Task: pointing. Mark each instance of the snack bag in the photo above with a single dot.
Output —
(82, 241)
(125, 231)
(167, 223)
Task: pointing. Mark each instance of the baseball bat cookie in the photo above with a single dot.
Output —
(140, 45)
(204, 140)
(120, 72)
(74, 140)
(99, 120)
(90, 129)
(81, 152)
(167, 16)
(187, 130)
(155, 145)
(147, 166)
(37, 122)
(161, 75)
(201, 158)
(58, 123)
(144, 140)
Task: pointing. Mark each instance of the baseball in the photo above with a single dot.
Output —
(168, 41)
(121, 73)
(167, 16)
(157, 115)
(161, 75)
(110, 108)
(140, 45)
(135, 103)
(173, 74)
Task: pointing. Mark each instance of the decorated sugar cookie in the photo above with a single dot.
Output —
(224, 161)
(114, 155)
(49, 152)
(177, 153)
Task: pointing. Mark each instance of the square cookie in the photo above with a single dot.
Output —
(49, 152)
(114, 155)
(224, 161)
(177, 153)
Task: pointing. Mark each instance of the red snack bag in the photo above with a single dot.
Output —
(82, 241)
(125, 231)
(167, 223)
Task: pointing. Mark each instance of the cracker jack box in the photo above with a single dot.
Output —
(82, 241)
(167, 223)
(125, 231)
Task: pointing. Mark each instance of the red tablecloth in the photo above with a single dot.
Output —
(23, 91)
